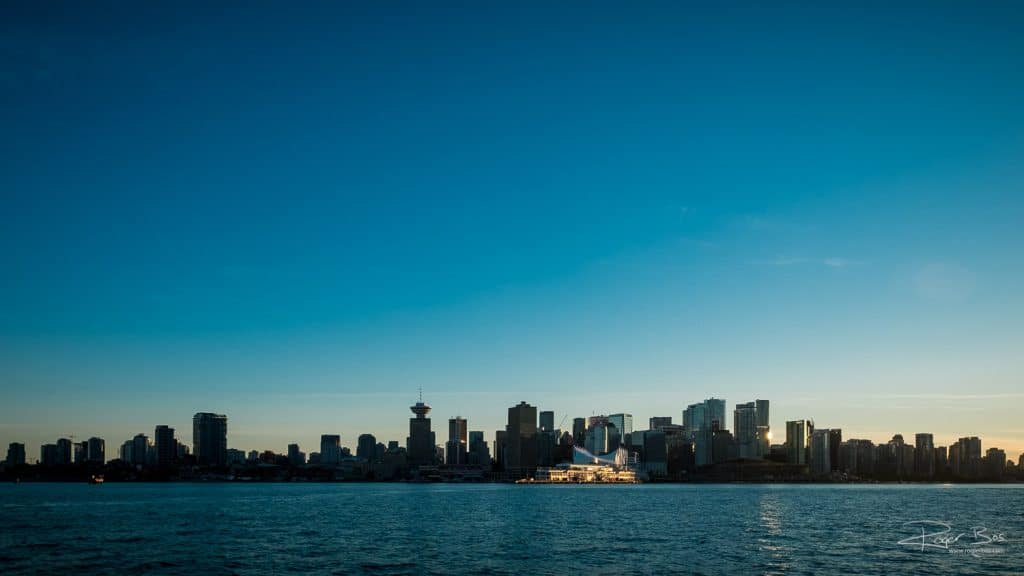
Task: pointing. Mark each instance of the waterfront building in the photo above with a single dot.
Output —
(835, 443)
(924, 456)
(521, 457)
(457, 446)
(140, 449)
(166, 445)
(81, 450)
(547, 421)
(96, 450)
(478, 452)
(210, 439)
(797, 432)
(709, 414)
(420, 445)
(579, 429)
(330, 449)
(623, 424)
(366, 448)
(995, 464)
(234, 457)
(64, 451)
(15, 454)
(745, 428)
(500, 448)
(48, 455)
(821, 455)
(296, 457)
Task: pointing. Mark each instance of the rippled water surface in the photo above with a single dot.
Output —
(505, 529)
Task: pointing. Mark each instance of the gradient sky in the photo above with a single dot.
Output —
(298, 217)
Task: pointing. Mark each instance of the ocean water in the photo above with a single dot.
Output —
(181, 528)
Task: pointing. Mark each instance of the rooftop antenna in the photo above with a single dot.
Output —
(421, 393)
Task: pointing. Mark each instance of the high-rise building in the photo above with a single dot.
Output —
(81, 450)
(658, 422)
(457, 445)
(994, 464)
(501, 449)
(579, 429)
(521, 457)
(15, 454)
(796, 441)
(924, 455)
(166, 445)
(835, 443)
(763, 418)
(48, 455)
(623, 424)
(821, 455)
(140, 449)
(547, 421)
(330, 449)
(64, 451)
(366, 447)
(744, 422)
(478, 453)
(715, 413)
(210, 439)
(296, 457)
(420, 443)
(96, 449)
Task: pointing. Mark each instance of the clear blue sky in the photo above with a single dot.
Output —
(300, 216)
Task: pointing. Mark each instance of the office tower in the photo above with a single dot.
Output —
(835, 443)
(579, 429)
(924, 456)
(602, 436)
(420, 443)
(694, 417)
(183, 451)
(547, 421)
(821, 455)
(941, 463)
(456, 447)
(48, 455)
(623, 424)
(366, 447)
(796, 441)
(81, 450)
(968, 461)
(330, 449)
(64, 451)
(657, 422)
(296, 457)
(715, 413)
(744, 422)
(761, 406)
(995, 464)
(96, 449)
(15, 454)
(478, 452)
(702, 447)
(210, 439)
(166, 445)
(140, 449)
(501, 449)
(521, 439)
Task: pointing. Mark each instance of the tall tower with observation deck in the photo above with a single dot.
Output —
(420, 443)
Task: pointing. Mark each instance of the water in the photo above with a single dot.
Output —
(501, 529)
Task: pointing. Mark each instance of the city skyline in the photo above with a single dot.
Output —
(777, 435)
(597, 211)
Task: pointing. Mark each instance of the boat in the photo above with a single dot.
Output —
(96, 479)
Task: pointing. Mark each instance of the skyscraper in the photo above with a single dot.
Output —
(547, 421)
(924, 455)
(521, 456)
(796, 441)
(296, 457)
(821, 460)
(210, 439)
(140, 449)
(623, 423)
(745, 430)
(330, 449)
(835, 442)
(166, 445)
(456, 447)
(96, 450)
(579, 429)
(658, 422)
(706, 415)
(366, 447)
(420, 443)
(715, 413)
(64, 451)
(15, 454)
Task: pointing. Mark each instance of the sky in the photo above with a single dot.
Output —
(299, 216)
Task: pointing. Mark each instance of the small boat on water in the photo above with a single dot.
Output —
(96, 479)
